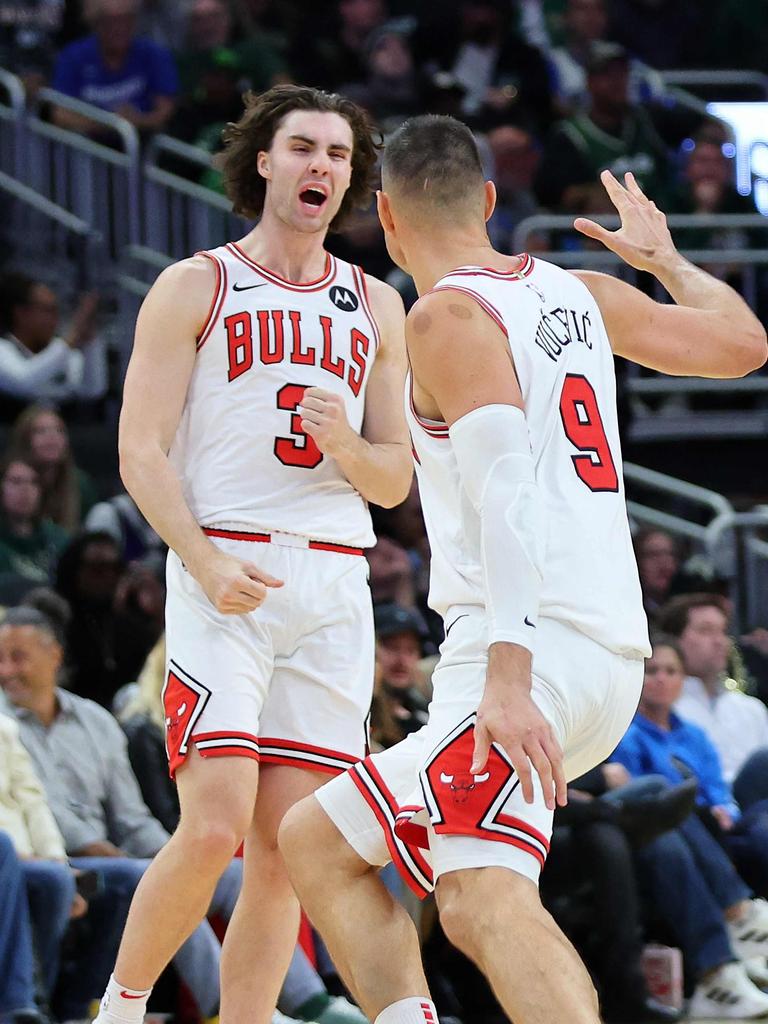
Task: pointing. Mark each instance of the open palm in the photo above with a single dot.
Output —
(643, 240)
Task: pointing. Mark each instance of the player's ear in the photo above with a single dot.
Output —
(262, 164)
(490, 200)
(384, 210)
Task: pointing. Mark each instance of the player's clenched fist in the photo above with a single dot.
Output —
(232, 585)
(324, 418)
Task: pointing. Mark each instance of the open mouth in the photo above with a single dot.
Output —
(313, 197)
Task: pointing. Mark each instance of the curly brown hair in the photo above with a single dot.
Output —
(254, 132)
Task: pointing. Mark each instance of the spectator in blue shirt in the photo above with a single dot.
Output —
(118, 71)
(660, 742)
(692, 883)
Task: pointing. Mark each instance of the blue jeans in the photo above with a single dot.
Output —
(197, 962)
(747, 846)
(751, 784)
(17, 977)
(50, 892)
(691, 881)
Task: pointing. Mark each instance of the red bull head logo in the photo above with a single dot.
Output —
(462, 784)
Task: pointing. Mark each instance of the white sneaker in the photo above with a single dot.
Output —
(728, 994)
(749, 936)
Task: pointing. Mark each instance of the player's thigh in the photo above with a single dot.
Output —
(219, 669)
(280, 787)
(322, 688)
(217, 795)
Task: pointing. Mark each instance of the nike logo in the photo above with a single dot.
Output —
(246, 287)
(528, 623)
(126, 995)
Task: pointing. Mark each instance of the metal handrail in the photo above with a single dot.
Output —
(564, 222)
(666, 521)
(679, 488)
(48, 208)
(16, 93)
(126, 131)
(754, 385)
(693, 78)
(168, 144)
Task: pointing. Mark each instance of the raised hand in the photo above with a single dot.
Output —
(643, 240)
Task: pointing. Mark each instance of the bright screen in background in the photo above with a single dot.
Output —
(749, 122)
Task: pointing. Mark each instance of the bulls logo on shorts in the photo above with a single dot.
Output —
(183, 701)
(465, 803)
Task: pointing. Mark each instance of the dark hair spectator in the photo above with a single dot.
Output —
(400, 636)
(612, 133)
(30, 544)
(117, 615)
(39, 364)
(41, 437)
(391, 89)
(118, 70)
(333, 51)
(658, 562)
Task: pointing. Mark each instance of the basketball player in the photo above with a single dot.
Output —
(262, 411)
(512, 414)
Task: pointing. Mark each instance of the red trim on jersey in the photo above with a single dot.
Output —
(492, 312)
(343, 549)
(261, 538)
(217, 301)
(295, 286)
(434, 428)
(502, 275)
(358, 277)
(266, 538)
(319, 759)
(511, 822)
(226, 749)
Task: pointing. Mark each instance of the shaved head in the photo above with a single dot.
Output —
(431, 163)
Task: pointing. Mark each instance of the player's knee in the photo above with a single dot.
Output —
(211, 842)
(454, 907)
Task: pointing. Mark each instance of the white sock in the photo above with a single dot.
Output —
(122, 1004)
(415, 1010)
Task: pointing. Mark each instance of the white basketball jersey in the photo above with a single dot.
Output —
(564, 364)
(239, 450)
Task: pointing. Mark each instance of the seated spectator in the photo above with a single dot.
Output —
(17, 955)
(735, 723)
(79, 752)
(611, 133)
(117, 616)
(391, 90)
(26, 818)
(586, 22)
(707, 187)
(694, 887)
(28, 39)
(30, 544)
(37, 364)
(516, 156)
(303, 994)
(400, 634)
(40, 436)
(117, 70)
(660, 742)
(658, 562)
(505, 79)
(120, 517)
(333, 52)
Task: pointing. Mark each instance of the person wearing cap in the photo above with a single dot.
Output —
(400, 636)
(611, 133)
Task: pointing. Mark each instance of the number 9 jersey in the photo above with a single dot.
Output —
(564, 364)
(239, 449)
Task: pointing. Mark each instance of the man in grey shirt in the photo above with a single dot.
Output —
(79, 752)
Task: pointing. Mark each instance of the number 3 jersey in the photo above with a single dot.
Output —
(564, 365)
(239, 449)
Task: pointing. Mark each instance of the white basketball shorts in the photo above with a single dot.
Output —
(289, 683)
(419, 805)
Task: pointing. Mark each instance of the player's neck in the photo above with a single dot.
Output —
(428, 267)
(293, 255)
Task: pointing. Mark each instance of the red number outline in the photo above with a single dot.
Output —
(287, 450)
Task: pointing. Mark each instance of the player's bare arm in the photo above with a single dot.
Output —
(156, 386)
(463, 374)
(711, 332)
(377, 462)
